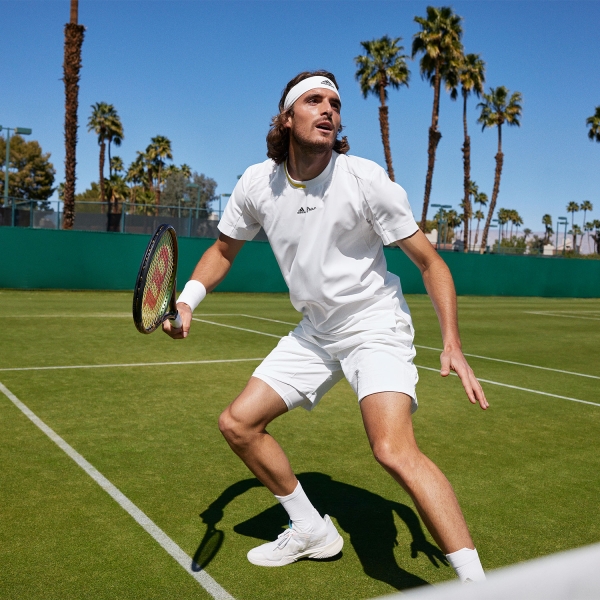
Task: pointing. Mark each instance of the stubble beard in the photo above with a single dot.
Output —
(312, 147)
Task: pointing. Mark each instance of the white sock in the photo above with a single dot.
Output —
(467, 565)
(302, 513)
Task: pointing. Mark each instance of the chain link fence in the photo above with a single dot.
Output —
(124, 217)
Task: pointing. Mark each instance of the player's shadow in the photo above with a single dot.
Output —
(366, 517)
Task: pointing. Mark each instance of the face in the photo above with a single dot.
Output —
(316, 120)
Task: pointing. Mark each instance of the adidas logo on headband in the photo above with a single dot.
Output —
(310, 83)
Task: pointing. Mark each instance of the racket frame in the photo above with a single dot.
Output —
(140, 283)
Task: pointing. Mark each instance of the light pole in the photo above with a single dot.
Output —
(444, 220)
(18, 131)
(222, 196)
(562, 221)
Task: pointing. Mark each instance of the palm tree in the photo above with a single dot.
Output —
(71, 66)
(116, 164)
(496, 110)
(186, 170)
(115, 136)
(136, 176)
(157, 152)
(547, 223)
(573, 207)
(470, 74)
(478, 215)
(439, 42)
(586, 206)
(593, 123)
(503, 218)
(383, 65)
(105, 122)
(526, 233)
(516, 220)
(575, 231)
(481, 199)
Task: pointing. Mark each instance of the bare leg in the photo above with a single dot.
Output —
(388, 424)
(243, 425)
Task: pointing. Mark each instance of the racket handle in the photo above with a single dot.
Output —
(176, 322)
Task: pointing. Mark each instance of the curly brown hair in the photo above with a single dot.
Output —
(278, 138)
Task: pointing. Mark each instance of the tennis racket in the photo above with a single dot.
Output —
(154, 292)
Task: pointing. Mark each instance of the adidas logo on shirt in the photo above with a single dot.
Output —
(303, 211)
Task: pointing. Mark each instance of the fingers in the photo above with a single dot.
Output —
(186, 319)
(171, 331)
(460, 366)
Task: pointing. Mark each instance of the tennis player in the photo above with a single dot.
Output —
(327, 215)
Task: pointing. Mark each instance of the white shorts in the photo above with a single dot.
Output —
(303, 367)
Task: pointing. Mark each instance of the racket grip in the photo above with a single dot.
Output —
(176, 322)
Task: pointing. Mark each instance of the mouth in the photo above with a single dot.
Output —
(324, 126)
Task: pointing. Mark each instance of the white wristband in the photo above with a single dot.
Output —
(193, 293)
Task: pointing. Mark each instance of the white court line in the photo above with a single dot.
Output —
(238, 328)
(150, 364)
(549, 314)
(202, 577)
(516, 387)
(512, 362)
(271, 320)
(431, 369)
(570, 311)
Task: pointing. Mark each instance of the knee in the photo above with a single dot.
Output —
(399, 461)
(233, 429)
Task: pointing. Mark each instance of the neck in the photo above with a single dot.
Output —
(303, 165)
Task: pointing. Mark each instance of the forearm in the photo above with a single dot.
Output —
(211, 269)
(440, 287)
(216, 262)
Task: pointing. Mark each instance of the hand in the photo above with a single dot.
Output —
(433, 553)
(185, 312)
(454, 360)
(212, 515)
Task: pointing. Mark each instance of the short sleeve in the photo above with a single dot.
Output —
(388, 204)
(238, 221)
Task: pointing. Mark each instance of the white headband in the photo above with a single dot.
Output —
(304, 86)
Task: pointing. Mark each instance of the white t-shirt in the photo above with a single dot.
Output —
(327, 236)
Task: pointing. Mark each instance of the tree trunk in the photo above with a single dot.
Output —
(434, 140)
(71, 66)
(102, 154)
(467, 179)
(499, 161)
(109, 159)
(385, 138)
(476, 234)
(384, 125)
(74, 14)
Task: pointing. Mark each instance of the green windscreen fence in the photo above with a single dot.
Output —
(79, 260)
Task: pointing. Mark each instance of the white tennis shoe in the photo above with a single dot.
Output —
(292, 545)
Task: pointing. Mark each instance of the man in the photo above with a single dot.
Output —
(327, 216)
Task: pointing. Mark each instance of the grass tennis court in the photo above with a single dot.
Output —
(527, 472)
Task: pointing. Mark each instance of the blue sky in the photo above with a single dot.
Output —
(208, 75)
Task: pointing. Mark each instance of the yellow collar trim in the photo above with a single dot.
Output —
(299, 186)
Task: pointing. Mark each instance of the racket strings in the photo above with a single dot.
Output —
(159, 283)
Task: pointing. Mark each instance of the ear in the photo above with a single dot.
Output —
(287, 119)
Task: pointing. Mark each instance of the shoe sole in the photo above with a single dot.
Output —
(328, 551)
